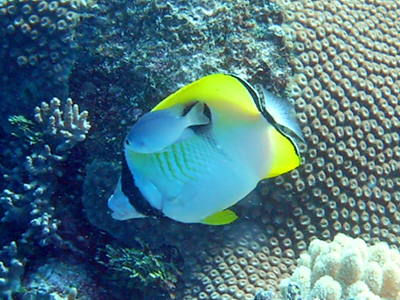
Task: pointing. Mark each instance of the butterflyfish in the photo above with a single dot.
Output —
(203, 149)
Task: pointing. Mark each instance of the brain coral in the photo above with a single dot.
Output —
(347, 99)
(347, 268)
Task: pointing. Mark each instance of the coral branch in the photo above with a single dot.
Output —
(66, 124)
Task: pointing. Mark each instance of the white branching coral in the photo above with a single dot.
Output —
(347, 268)
(11, 268)
(66, 123)
(33, 175)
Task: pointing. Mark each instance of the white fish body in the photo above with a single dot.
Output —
(196, 178)
(192, 177)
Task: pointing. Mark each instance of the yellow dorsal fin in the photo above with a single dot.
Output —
(220, 218)
(218, 90)
(285, 155)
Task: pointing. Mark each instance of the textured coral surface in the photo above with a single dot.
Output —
(346, 96)
(347, 101)
(133, 54)
(347, 268)
(34, 173)
(38, 50)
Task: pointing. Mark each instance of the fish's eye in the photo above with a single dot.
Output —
(127, 142)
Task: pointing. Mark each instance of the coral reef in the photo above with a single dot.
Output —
(53, 279)
(38, 50)
(346, 97)
(136, 53)
(151, 272)
(240, 265)
(32, 178)
(347, 268)
(126, 45)
(347, 102)
(34, 165)
(11, 268)
(182, 41)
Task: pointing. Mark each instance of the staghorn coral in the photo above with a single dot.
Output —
(38, 50)
(347, 268)
(66, 126)
(33, 162)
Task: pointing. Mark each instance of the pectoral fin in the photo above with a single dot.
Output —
(220, 218)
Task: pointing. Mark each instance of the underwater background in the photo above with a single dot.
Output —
(74, 77)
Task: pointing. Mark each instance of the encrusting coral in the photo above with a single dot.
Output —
(38, 50)
(347, 268)
(192, 40)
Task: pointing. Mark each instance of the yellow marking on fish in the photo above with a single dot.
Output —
(185, 159)
(172, 165)
(161, 163)
(179, 162)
